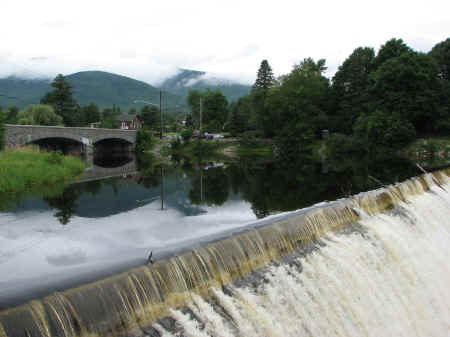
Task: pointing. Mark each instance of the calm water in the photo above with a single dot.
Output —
(122, 209)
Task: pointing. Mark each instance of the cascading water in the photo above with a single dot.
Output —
(374, 264)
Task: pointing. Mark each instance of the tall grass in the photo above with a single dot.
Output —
(27, 169)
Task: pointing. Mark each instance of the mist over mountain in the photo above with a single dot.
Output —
(99, 87)
(186, 80)
(105, 89)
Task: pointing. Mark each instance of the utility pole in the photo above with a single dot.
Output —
(201, 108)
(160, 114)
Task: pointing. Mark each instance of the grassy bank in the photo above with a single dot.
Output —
(28, 169)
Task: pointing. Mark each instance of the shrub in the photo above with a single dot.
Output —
(202, 149)
(339, 144)
(175, 144)
(144, 140)
(55, 157)
(380, 131)
(186, 134)
(250, 138)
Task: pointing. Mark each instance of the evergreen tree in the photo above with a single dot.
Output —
(60, 98)
(11, 115)
(265, 79)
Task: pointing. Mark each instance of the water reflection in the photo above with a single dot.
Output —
(189, 187)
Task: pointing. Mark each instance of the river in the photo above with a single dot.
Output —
(120, 211)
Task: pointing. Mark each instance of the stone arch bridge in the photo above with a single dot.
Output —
(18, 135)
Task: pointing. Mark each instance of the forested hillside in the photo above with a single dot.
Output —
(102, 88)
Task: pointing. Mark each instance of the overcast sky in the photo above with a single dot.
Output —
(148, 39)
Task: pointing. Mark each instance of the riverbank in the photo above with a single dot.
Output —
(27, 170)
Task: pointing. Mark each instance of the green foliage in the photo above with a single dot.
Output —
(215, 109)
(339, 144)
(39, 114)
(90, 114)
(100, 87)
(186, 134)
(241, 116)
(61, 99)
(23, 171)
(409, 85)
(144, 140)
(2, 130)
(250, 138)
(175, 144)
(391, 49)
(55, 157)
(11, 115)
(265, 78)
(441, 54)
(351, 85)
(193, 101)
(150, 117)
(381, 131)
(294, 142)
(204, 148)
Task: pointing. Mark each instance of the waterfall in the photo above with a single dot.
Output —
(370, 265)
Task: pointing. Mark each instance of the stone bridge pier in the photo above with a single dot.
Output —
(87, 138)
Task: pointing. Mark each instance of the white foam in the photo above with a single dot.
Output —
(393, 280)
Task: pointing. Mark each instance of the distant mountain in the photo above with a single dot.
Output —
(99, 87)
(22, 92)
(186, 80)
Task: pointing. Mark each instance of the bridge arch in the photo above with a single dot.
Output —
(17, 135)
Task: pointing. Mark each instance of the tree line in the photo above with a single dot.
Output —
(375, 102)
(59, 107)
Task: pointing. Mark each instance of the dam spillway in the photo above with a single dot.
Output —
(373, 264)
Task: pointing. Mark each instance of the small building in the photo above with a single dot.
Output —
(129, 122)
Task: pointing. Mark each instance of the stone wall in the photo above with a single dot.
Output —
(17, 135)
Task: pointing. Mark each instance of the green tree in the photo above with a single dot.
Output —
(60, 98)
(265, 78)
(264, 81)
(150, 117)
(215, 110)
(391, 49)
(193, 101)
(11, 115)
(409, 86)
(39, 114)
(90, 113)
(300, 107)
(351, 85)
(441, 53)
(144, 140)
(381, 131)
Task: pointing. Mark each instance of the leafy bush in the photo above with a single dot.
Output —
(380, 131)
(202, 149)
(39, 114)
(55, 157)
(186, 134)
(144, 140)
(340, 144)
(250, 138)
(175, 144)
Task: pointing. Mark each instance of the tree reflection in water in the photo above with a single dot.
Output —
(270, 187)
